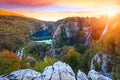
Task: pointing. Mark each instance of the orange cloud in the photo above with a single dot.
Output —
(28, 2)
(118, 3)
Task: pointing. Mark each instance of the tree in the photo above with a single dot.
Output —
(74, 59)
(8, 62)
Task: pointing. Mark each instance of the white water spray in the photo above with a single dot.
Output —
(105, 30)
(87, 39)
(20, 53)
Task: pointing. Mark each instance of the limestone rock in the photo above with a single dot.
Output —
(102, 62)
(48, 71)
(25, 74)
(81, 75)
(59, 71)
(93, 75)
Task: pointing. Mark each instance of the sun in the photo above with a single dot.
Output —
(110, 12)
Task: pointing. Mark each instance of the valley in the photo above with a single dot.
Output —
(73, 48)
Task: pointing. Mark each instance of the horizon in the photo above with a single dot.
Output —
(53, 10)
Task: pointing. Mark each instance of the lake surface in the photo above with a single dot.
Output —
(42, 34)
(42, 37)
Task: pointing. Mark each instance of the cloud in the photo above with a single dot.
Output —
(27, 3)
(118, 3)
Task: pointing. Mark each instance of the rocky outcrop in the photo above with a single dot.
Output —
(70, 31)
(25, 74)
(102, 63)
(93, 75)
(81, 75)
(59, 71)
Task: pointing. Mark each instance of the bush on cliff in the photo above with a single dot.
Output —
(74, 59)
(42, 64)
(8, 62)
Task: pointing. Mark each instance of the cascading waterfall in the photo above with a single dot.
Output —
(31, 32)
(107, 27)
(87, 39)
(20, 53)
(105, 30)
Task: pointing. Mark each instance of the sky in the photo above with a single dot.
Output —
(52, 10)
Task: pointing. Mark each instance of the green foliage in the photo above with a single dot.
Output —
(74, 59)
(42, 64)
(79, 47)
(97, 66)
(41, 49)
(40, 38)
(8, 62)
(95, 47)
(63, 38)
(116, 72)
(24, 64)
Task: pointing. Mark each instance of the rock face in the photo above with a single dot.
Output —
(25, 74)
(102, 63)
(93, 75)
(81, 76)
(59, 71)
(70, 31)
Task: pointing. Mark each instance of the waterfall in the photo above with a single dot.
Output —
(87, 39)
(31, 32)
(20, 53)
(92, 67)
(105, 30)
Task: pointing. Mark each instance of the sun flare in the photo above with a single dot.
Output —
(110, 12)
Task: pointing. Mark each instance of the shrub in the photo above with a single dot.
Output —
(40, 49)
(24, 64)
(42, 64)
(8, 62)
(74, 59)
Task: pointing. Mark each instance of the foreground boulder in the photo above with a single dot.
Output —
(59, 71)
(93, 75)
(81, 76)
(25, 74)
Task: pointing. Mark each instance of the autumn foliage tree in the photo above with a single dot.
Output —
(8, 62)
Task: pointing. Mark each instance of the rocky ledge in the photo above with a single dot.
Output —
(59, 71)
